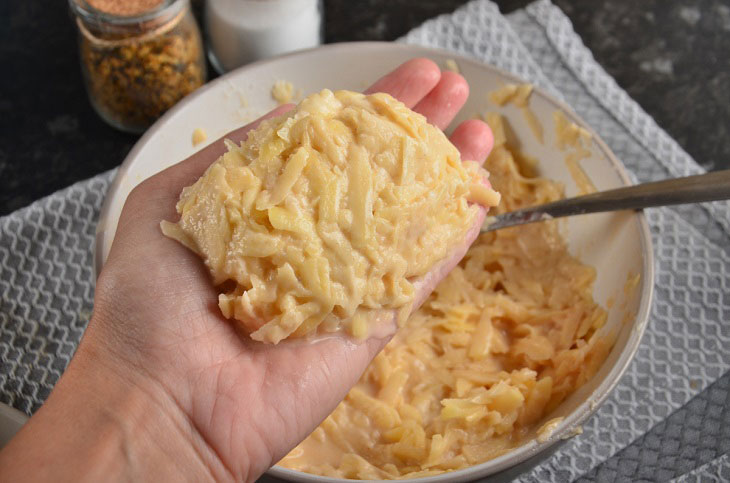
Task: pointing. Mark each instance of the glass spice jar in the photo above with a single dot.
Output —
(138, 57)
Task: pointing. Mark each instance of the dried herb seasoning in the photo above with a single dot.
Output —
(137, 67)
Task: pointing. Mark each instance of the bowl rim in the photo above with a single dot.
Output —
(600, 393)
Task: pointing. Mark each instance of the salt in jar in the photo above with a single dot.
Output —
(242, 31)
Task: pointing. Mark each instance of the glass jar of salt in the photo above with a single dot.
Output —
(242, 31)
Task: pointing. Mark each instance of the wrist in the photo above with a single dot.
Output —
(104, 421)
(148, 436)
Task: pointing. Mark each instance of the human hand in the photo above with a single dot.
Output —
(177, 386)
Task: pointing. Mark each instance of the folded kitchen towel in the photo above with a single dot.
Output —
(669, 417)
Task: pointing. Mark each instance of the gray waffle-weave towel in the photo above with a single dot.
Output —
(670, 415)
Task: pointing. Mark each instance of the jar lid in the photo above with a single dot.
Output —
(127, 8)
(124, 12)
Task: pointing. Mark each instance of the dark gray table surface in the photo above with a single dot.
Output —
(670, 55)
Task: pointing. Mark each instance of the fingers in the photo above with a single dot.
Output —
(420, 85)
(441, 105)
(473, 139)
(410, 82)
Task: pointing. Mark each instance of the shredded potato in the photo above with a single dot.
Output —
(450, 64)
(501, 342)
(324, 218)
(575, 141)
(199, 136)
(283, 92)
(519, 95)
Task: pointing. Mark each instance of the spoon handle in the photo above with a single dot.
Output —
(692, 189)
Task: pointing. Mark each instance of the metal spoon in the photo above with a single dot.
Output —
(691, 189)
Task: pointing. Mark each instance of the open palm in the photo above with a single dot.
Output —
(243, 404)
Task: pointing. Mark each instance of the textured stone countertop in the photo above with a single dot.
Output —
(670, 55)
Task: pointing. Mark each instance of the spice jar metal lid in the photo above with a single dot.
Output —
(125, 16)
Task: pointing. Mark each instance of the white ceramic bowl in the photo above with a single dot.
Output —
(618, 245)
